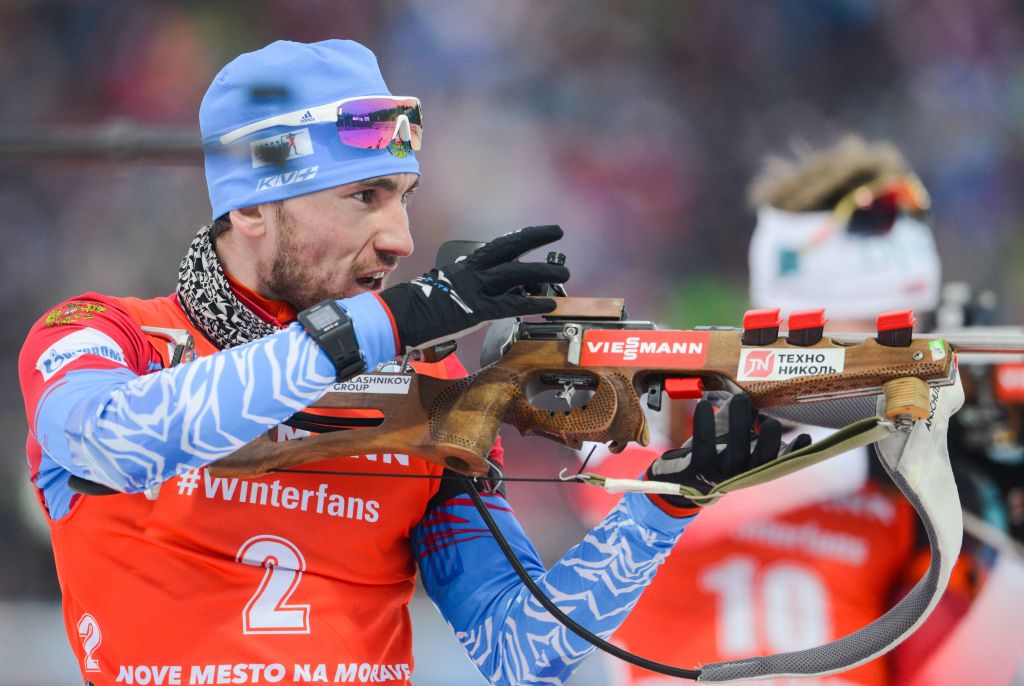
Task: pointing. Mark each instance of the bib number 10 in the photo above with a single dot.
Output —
(779, 608)
(268, 611)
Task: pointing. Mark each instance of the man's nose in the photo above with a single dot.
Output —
(393, 235)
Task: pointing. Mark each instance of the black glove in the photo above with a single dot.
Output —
(721, 447)
(451, 301)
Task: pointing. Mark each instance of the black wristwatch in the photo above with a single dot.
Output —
(331, 328)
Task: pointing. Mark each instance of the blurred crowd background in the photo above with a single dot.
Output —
(635, 125)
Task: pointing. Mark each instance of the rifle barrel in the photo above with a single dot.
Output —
(973, 346)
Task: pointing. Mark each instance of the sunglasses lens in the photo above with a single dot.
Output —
(876, 212)
(370, 123)
(876, 219)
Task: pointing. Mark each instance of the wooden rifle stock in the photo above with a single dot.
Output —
(455, 422)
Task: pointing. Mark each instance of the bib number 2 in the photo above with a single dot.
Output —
(89, 632)
(268, 611)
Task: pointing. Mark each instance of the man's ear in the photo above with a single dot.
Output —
(250, 221)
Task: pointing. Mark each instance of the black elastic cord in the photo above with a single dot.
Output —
(550, 606)
(443, 476)
(86, 487)
(587, 461)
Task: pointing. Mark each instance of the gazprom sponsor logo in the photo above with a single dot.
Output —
(75, 345)
(278, 149)
(277, 180)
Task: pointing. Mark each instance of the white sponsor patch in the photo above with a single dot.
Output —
(287, 178)
(395, 384)
(277, 149)
(81, 342)
(779, 364)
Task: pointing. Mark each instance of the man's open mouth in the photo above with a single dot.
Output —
(372, 281)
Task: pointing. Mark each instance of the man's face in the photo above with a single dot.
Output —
(338, 242)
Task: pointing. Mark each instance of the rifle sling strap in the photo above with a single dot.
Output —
(851, 437)
(856, 435)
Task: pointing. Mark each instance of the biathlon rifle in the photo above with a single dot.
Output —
(599, 368)
(897, 388)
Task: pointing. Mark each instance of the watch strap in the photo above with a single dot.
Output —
(330, 326)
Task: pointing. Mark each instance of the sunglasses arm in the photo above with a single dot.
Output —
(317, 115)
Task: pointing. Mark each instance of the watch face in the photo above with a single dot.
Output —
(322, 317)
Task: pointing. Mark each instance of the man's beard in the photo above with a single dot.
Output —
(290, 277)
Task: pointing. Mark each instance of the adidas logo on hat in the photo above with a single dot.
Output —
(306, 118)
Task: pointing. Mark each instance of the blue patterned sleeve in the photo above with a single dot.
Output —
(130, 432)
(509, 636)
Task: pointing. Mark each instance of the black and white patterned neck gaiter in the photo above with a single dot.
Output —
(209, 302)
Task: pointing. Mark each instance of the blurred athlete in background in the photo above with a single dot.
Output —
(812, 557)
(989, 429)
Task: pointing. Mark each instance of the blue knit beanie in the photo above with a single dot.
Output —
(281, 78)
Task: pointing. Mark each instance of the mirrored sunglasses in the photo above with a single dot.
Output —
(369, 122)
(872, 209)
